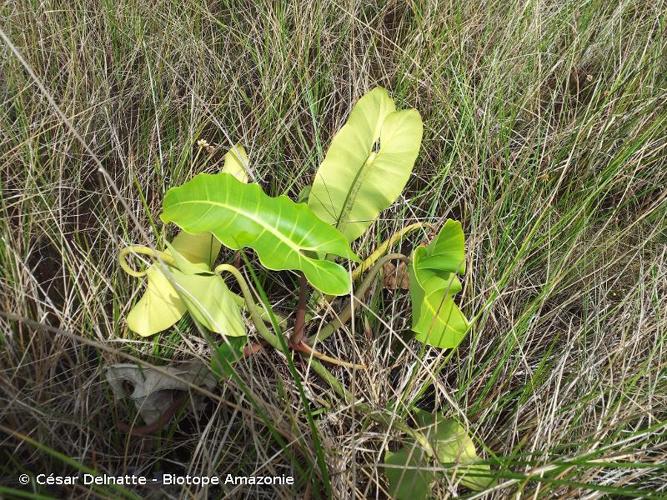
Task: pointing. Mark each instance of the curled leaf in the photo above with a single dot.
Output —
(446, 253)
(210, 302)
(187, 286)
(436, 319)
(236, 163)
(151, 391)
(197, 248)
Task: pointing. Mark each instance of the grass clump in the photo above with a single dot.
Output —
(544, 133)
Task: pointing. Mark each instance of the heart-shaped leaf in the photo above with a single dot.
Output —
(453, 446)
(187, 286)
(436, 319)
(367, 165)
(285, 235)
(407, 473)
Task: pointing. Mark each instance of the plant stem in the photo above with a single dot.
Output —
(386, 245)
(300, 320)
(252, 306)
(348, 310)
(262, 328)
(318, 367)
(306, 349)
(143, 250)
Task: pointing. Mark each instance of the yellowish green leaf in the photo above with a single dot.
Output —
(367, 165)
(161, 306)
(236, 163)
(200, 248)
(158, 309)
(446, 253)
(210, 302)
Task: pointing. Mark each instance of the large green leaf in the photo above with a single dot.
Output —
(408, 473)
(285, 235)
(453, 446)
(203, 247)
(436, 319)
(367, 165)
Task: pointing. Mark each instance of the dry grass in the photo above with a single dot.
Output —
(545, 134)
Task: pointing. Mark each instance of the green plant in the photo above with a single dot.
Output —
(365, 170)
(410, 470)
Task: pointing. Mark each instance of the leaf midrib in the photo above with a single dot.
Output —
(290, 243)
(349, 199)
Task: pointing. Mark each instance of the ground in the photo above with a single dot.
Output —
(545, 134)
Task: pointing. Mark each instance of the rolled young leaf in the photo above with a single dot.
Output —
(367, 165)
(436, 319)
(285, 235)
(447, 251)
(236, 163)
(206, 296)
